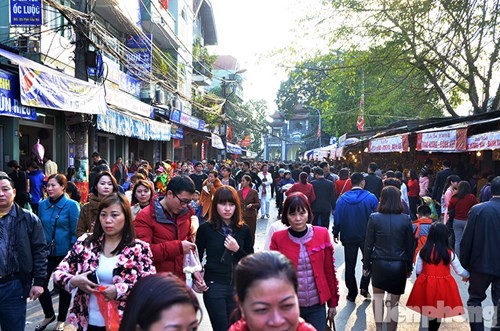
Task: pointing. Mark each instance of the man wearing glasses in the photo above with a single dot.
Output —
(166, 226)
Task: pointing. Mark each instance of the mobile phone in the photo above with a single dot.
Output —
(93, 277)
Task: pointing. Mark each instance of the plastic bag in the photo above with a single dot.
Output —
(192, 262)
(109, 311)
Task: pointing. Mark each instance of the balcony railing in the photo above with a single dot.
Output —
(202, 68)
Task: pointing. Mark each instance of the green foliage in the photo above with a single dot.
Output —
(334, 84)
(455, 44)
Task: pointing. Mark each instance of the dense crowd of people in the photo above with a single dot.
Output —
(119, 260)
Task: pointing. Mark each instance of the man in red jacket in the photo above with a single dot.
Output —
(166, 226)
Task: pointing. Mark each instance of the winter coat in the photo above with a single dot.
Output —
(320, 250)
(134, 262)
(306, 188)
(266, 184)
(207, 195)
(478, 248)
(88, 215)
(351, 215)
(165, 234)
(64, 216)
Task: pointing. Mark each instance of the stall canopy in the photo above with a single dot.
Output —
(484, 141)
(442, 140)
(397, 143)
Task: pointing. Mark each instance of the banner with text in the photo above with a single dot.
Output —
(397, 143)
(484, 141)
(217, 142)
(25, 12)
(9, 98)
(442, 141)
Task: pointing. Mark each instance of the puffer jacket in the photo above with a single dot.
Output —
(88, 216)
(165, 234)
(320, 250)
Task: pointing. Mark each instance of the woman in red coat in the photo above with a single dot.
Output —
(343, 184)
(311, 252)
(303, 186)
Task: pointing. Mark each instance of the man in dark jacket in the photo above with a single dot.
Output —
(373, 183)
(437, 189)
(351, 219)
(325, 198)
(479, 255)
(23, 258)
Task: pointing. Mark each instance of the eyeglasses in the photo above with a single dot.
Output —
(182, 202)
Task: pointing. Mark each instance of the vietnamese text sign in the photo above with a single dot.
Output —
(484, 141)
(443, 141)
(389, 144)
(9, 98)
(25, 12)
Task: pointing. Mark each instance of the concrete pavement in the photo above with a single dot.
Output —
(357, 316)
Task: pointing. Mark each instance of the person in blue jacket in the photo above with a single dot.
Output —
(350, 222)
(36, 178)
(59, 216)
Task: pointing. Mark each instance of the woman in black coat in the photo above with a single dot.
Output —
(388, 254)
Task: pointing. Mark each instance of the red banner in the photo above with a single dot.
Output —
(442, 141)
(389, 144)
(245, 142)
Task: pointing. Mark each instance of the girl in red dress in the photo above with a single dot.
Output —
(435, 292)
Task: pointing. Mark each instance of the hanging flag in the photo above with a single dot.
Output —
(360, 123)
(229, 133)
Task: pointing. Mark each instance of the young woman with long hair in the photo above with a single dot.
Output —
(225, 238)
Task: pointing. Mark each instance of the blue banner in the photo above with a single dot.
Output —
(25, 12)
(178, 134)
(9, 98)
(233, 149)
(187, 120)
(140, 58)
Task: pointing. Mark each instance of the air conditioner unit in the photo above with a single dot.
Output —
(28, 45)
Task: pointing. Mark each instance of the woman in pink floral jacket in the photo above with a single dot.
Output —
(109, 261)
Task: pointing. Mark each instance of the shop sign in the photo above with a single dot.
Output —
(9, 98)
(129, 103)
(178, 116)
(130, 84)
(140, 56)
(178, 134)
(25, 12)
(159, 131)
(233, 149)
(389, 144)
(217, 142)
(484, 141)
(443, 141)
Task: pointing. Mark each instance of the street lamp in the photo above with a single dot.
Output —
(319, 120)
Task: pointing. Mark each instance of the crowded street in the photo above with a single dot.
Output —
(355, 316)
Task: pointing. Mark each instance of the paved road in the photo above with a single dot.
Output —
(357, 316)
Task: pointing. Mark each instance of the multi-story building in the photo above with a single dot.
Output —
(290, 138)
(140, 63)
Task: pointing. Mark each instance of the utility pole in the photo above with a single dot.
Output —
(223, 114)
(79, 130)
